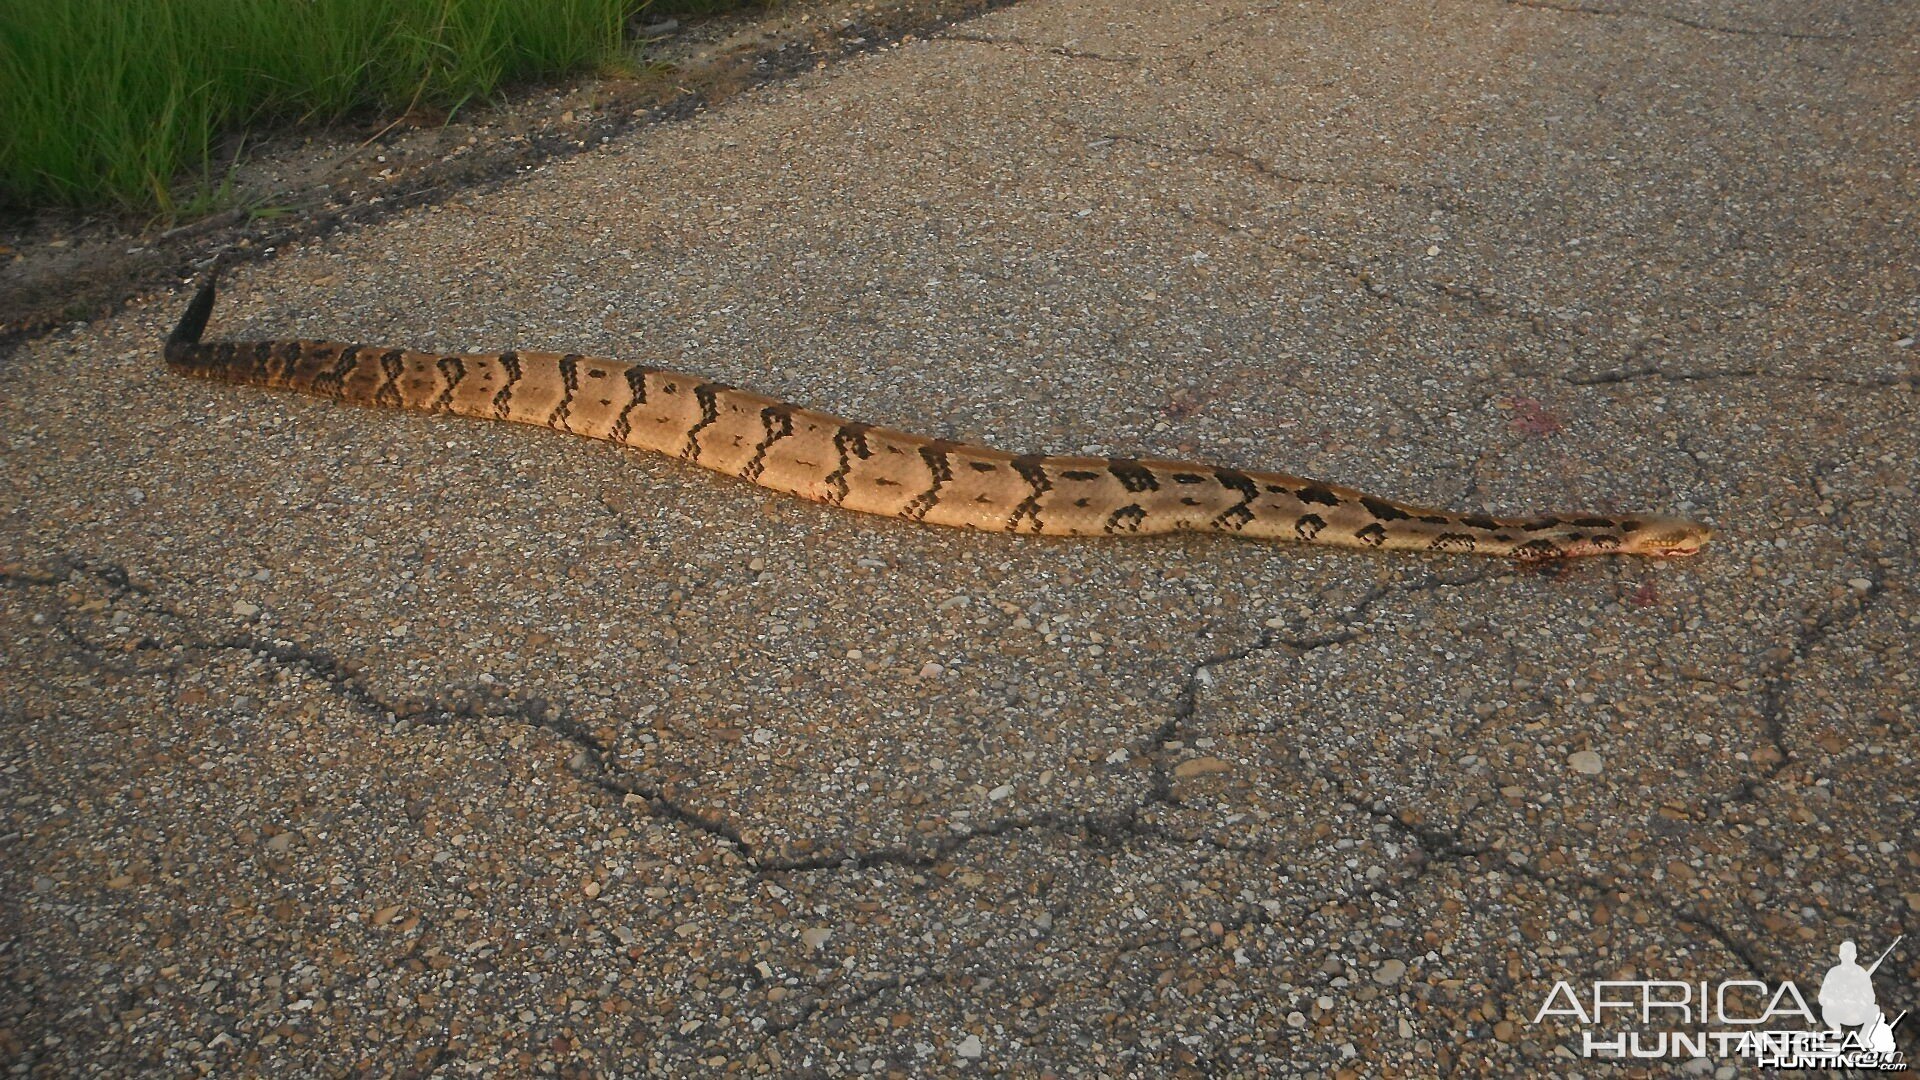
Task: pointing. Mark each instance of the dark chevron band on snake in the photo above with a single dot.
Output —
(891, 473)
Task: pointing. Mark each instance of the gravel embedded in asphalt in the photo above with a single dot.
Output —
(346, 740)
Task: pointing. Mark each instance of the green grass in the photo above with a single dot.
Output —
(125, 103)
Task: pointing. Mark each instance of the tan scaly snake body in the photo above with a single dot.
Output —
(891, 473)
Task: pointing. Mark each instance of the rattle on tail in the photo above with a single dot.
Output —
(891, 473)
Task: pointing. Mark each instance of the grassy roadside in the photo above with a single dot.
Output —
(123, 103)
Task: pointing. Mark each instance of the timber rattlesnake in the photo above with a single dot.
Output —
(891, 473)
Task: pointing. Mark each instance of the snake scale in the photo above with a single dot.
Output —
(891, 473)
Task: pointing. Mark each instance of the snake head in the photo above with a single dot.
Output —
(1663, 537)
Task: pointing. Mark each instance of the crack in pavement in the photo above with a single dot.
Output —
(1777, 679)
(96, 655)
(1444, 844)
(1207, 31)
(1036, 46)
(593, 761)
(1678, 20)
(1255, 163)
(1297, 248)
(1486, 303)
(1437, 843)
(1636, 374)
(596, 764)
(1097, 826)
(1684, 916)
(1440, 845)
(1451, 843)
(1200, 672)
(344, 679)
(818, 1004)
(1353, 271)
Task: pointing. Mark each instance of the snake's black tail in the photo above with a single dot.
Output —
(186, 333)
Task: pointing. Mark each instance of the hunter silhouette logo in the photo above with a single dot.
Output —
(1769, 1025)
(1848, 1005)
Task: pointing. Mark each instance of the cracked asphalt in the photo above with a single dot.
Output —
(343, 741)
